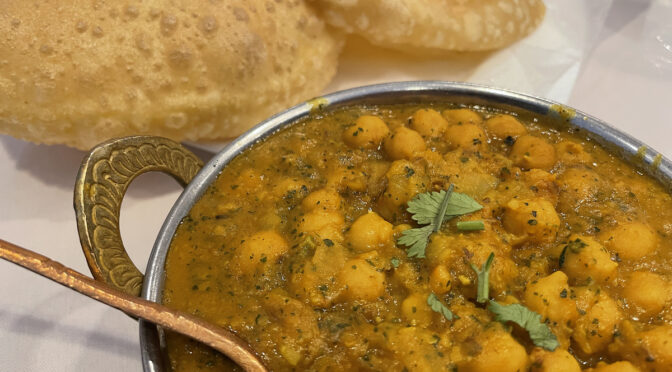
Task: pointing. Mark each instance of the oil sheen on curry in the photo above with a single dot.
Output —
(429, 238)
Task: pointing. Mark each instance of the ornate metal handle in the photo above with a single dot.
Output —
(102, 181)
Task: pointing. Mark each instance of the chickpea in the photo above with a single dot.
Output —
(368, 132)
(594, 330)
(404, 180)
(323, 199)
(572, 153)
(533, 152)
(630, 240)
(262, 248)
(647, 293)
(403, 143)
(440, 280)
(534, 220)
(468, 137)
(327, 224)
(361, 281)
(415, 310)
(503, 126)
(559, 360)
(585, 258)
(499, 352)
(577, 186)
(462, 116)
(369, 231)
(621, 366)
(657, 343)
(549, 296)
(285, 186)
(429, 123)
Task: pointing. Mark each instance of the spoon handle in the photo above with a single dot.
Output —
(186, 324)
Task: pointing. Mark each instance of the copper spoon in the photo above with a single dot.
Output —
(216, 337)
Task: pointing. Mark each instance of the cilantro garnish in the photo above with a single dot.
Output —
(432, 209)
(416, 240)
(539, 332)
(440, 308)
(483, 281)
(395, 262)
(471, 225)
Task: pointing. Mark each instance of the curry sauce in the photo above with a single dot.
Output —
(295, 247)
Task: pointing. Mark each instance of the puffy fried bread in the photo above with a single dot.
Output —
(80, 72)
(448, 25)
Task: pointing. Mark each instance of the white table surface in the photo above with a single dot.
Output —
(624, 77)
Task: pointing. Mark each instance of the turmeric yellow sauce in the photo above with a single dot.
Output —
(295, 248)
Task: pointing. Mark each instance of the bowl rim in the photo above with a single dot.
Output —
(631, 150)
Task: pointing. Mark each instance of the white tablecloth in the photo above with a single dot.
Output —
(611, 60)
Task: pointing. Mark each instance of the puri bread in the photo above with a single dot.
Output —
(80, 72)
(449, 25)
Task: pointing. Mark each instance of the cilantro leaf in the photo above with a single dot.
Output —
(431, 209)
(426, 207)
(461, 204)
(416, 240)
(439, 307)
(483, 275)
(441, 213)
(395, 262)
(539, 332)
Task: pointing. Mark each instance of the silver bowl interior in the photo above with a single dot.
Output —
(633, 151)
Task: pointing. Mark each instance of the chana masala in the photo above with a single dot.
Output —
(428, 238)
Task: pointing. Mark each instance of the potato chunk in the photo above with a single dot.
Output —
(549, 296)
(534, 220)
(503, 126)
(259, 250)
(361, 281)
(647, 293)
(559, 360)
(468, 137)
(368, 232)
(429, 123)
(532, 152)
(403, 143)
(583, 258)
(594, 330)
(499, 352)
(630, 240)
(462, 116)
(368, 132)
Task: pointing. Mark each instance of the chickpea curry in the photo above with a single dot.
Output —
(428, 238)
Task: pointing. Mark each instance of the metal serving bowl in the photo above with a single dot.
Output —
(110, 167)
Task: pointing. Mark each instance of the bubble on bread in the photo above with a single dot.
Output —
(440, 25)
(78, 73)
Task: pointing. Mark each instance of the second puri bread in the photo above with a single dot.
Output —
(440, 25)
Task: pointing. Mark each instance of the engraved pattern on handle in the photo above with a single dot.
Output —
(103, 179)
